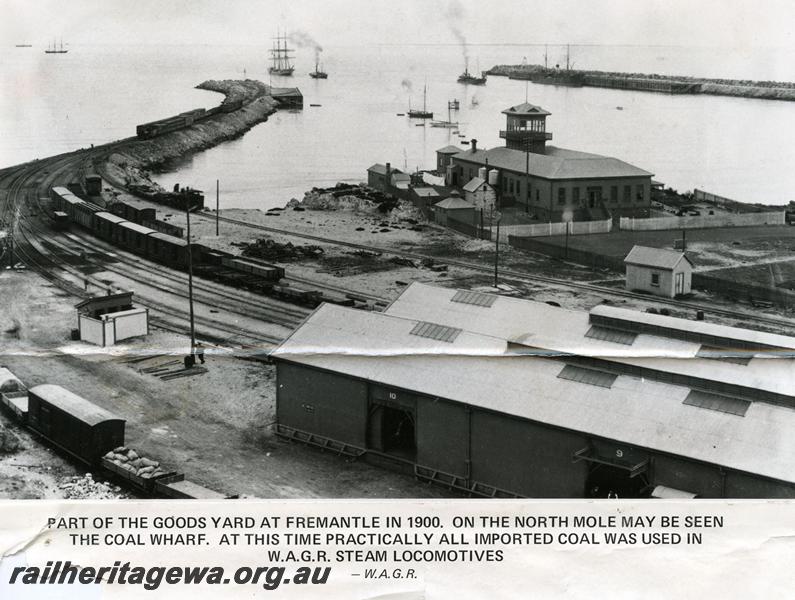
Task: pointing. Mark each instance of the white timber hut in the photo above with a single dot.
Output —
(658, 271)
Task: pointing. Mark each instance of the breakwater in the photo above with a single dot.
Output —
(254, 103)
(644, 82)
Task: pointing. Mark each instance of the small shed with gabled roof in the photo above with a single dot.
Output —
(454, 208)
(659, 271)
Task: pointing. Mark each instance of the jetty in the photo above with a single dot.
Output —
(664, 84)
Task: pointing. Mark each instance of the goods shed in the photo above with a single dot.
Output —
(485, 395)
(73, 424)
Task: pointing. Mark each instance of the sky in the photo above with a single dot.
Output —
(718, 23)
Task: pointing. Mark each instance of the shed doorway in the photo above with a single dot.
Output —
(606, 481)
(392, 430)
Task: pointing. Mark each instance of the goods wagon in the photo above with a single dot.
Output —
(83, 214)
(105, 226)
(167, 249)
(73, 424)
(93, 185)
(133, 237)
(60, 220)
(269, 272)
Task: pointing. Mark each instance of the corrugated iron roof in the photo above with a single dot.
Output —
(658, 258)
(474, 184)
(71, 403)
(453, 202)
(559, 164)
(549, 330)
(477, 370)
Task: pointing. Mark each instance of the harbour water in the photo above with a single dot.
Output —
(734, 147)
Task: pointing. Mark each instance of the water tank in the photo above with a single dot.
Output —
(493, 177)
(482, 173)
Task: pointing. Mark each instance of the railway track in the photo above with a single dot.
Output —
(519, 276)
(24, 189)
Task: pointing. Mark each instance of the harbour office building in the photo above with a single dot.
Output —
(498, 396)
(555, 184)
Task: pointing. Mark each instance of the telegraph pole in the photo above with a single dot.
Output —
(497, 250)
(216, 207)
(190, 282)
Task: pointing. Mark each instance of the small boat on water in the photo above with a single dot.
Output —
(318, 73)
(619, 108)
(53, 50)
(280, 57)
(23, 45)
(424, 113)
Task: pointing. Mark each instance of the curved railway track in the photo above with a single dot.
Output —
(25, 186)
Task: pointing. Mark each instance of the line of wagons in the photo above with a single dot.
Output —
(123, 228)
(89, 434)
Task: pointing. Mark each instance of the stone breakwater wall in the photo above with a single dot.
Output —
(129, 164)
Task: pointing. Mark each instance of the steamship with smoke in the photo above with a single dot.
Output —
(469, 78)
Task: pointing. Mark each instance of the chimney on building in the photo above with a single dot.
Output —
(388, 174)
(474, 146)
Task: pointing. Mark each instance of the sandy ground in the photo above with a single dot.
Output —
(215, 427)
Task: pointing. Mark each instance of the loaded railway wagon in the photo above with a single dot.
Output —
(13, 395)
(176, 486)
(73, 424)
(269, 272)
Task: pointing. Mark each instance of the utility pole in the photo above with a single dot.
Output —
(527, 175)
(217, 186)
(190, 283)
(497, 251)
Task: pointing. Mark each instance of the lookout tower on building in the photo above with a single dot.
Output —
(526, 128)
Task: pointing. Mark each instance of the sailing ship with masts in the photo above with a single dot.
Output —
(556, 76)
(414, 113)
(280, 57)
(56, 50)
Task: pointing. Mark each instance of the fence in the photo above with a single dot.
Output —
(468, 229)
(702, 222)
(550, 229)
(583, 257)
(738, 290)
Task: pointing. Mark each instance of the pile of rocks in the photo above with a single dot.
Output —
(82, 488)
(132, 461)
(9, 442)
(267, 249)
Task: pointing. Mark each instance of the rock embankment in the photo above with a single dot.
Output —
(130, 164)
(743, 88)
